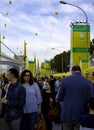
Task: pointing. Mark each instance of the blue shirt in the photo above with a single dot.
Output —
(33, 98)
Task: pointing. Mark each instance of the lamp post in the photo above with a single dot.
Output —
(63, 2)
(62, 56)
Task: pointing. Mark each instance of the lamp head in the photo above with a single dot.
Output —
(62, 2)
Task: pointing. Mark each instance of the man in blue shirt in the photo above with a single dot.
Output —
(75, 91)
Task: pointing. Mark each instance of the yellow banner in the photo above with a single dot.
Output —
(79, 39)
(31, 67)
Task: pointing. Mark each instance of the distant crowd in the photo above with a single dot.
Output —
(23, 98)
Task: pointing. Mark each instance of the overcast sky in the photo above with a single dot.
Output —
(28, 17)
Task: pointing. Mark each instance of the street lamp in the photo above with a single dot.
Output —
(63, 2)
(62, 56)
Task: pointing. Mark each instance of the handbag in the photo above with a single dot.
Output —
(54, 112)
(41, 125)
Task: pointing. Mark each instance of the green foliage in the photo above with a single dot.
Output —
(61, 62)
(92, 47)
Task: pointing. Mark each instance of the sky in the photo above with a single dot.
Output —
(27, 17)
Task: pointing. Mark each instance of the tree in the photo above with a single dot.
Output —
(56, 62)
(91, 46)
(66, 61)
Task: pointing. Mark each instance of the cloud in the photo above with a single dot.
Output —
(26, 17)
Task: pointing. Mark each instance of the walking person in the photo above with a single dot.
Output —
(75, 91)
(33, 101)
(14, 101)
(48, 97)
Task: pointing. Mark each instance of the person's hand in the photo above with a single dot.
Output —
(4, 100)
(51, 99)
(39, 108)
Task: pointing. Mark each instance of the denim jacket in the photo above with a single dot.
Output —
(16, 97)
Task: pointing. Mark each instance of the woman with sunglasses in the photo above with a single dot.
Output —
(33, 101)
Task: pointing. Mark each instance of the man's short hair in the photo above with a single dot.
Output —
(91, 102)
(15, 72)
(76, 68)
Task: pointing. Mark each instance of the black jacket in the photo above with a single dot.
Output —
(16, 97)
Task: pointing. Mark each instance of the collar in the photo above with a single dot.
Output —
(14, 84)
(76, 73)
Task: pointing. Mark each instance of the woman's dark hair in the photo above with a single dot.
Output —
(31, 80)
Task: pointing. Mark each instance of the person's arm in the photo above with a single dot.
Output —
(39, 98)
(60, 93)
(38, 94)
(81, 128)
(39, 108)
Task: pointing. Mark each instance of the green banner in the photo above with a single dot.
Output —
(81, 28)
(32, 62)
(84, 61)
(79, 50)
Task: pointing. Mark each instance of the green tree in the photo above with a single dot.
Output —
(56, 62)
(91, 46)
(66, 61)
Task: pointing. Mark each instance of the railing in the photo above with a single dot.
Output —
(9, 58)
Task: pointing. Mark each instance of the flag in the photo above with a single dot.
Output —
(24, 56)
(38, 64)
(31, 67)
(35, 62)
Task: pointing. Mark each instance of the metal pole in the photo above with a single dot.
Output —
(62, 56)
(63, 2)
(62, 61)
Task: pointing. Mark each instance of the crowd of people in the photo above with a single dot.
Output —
(23, 98)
